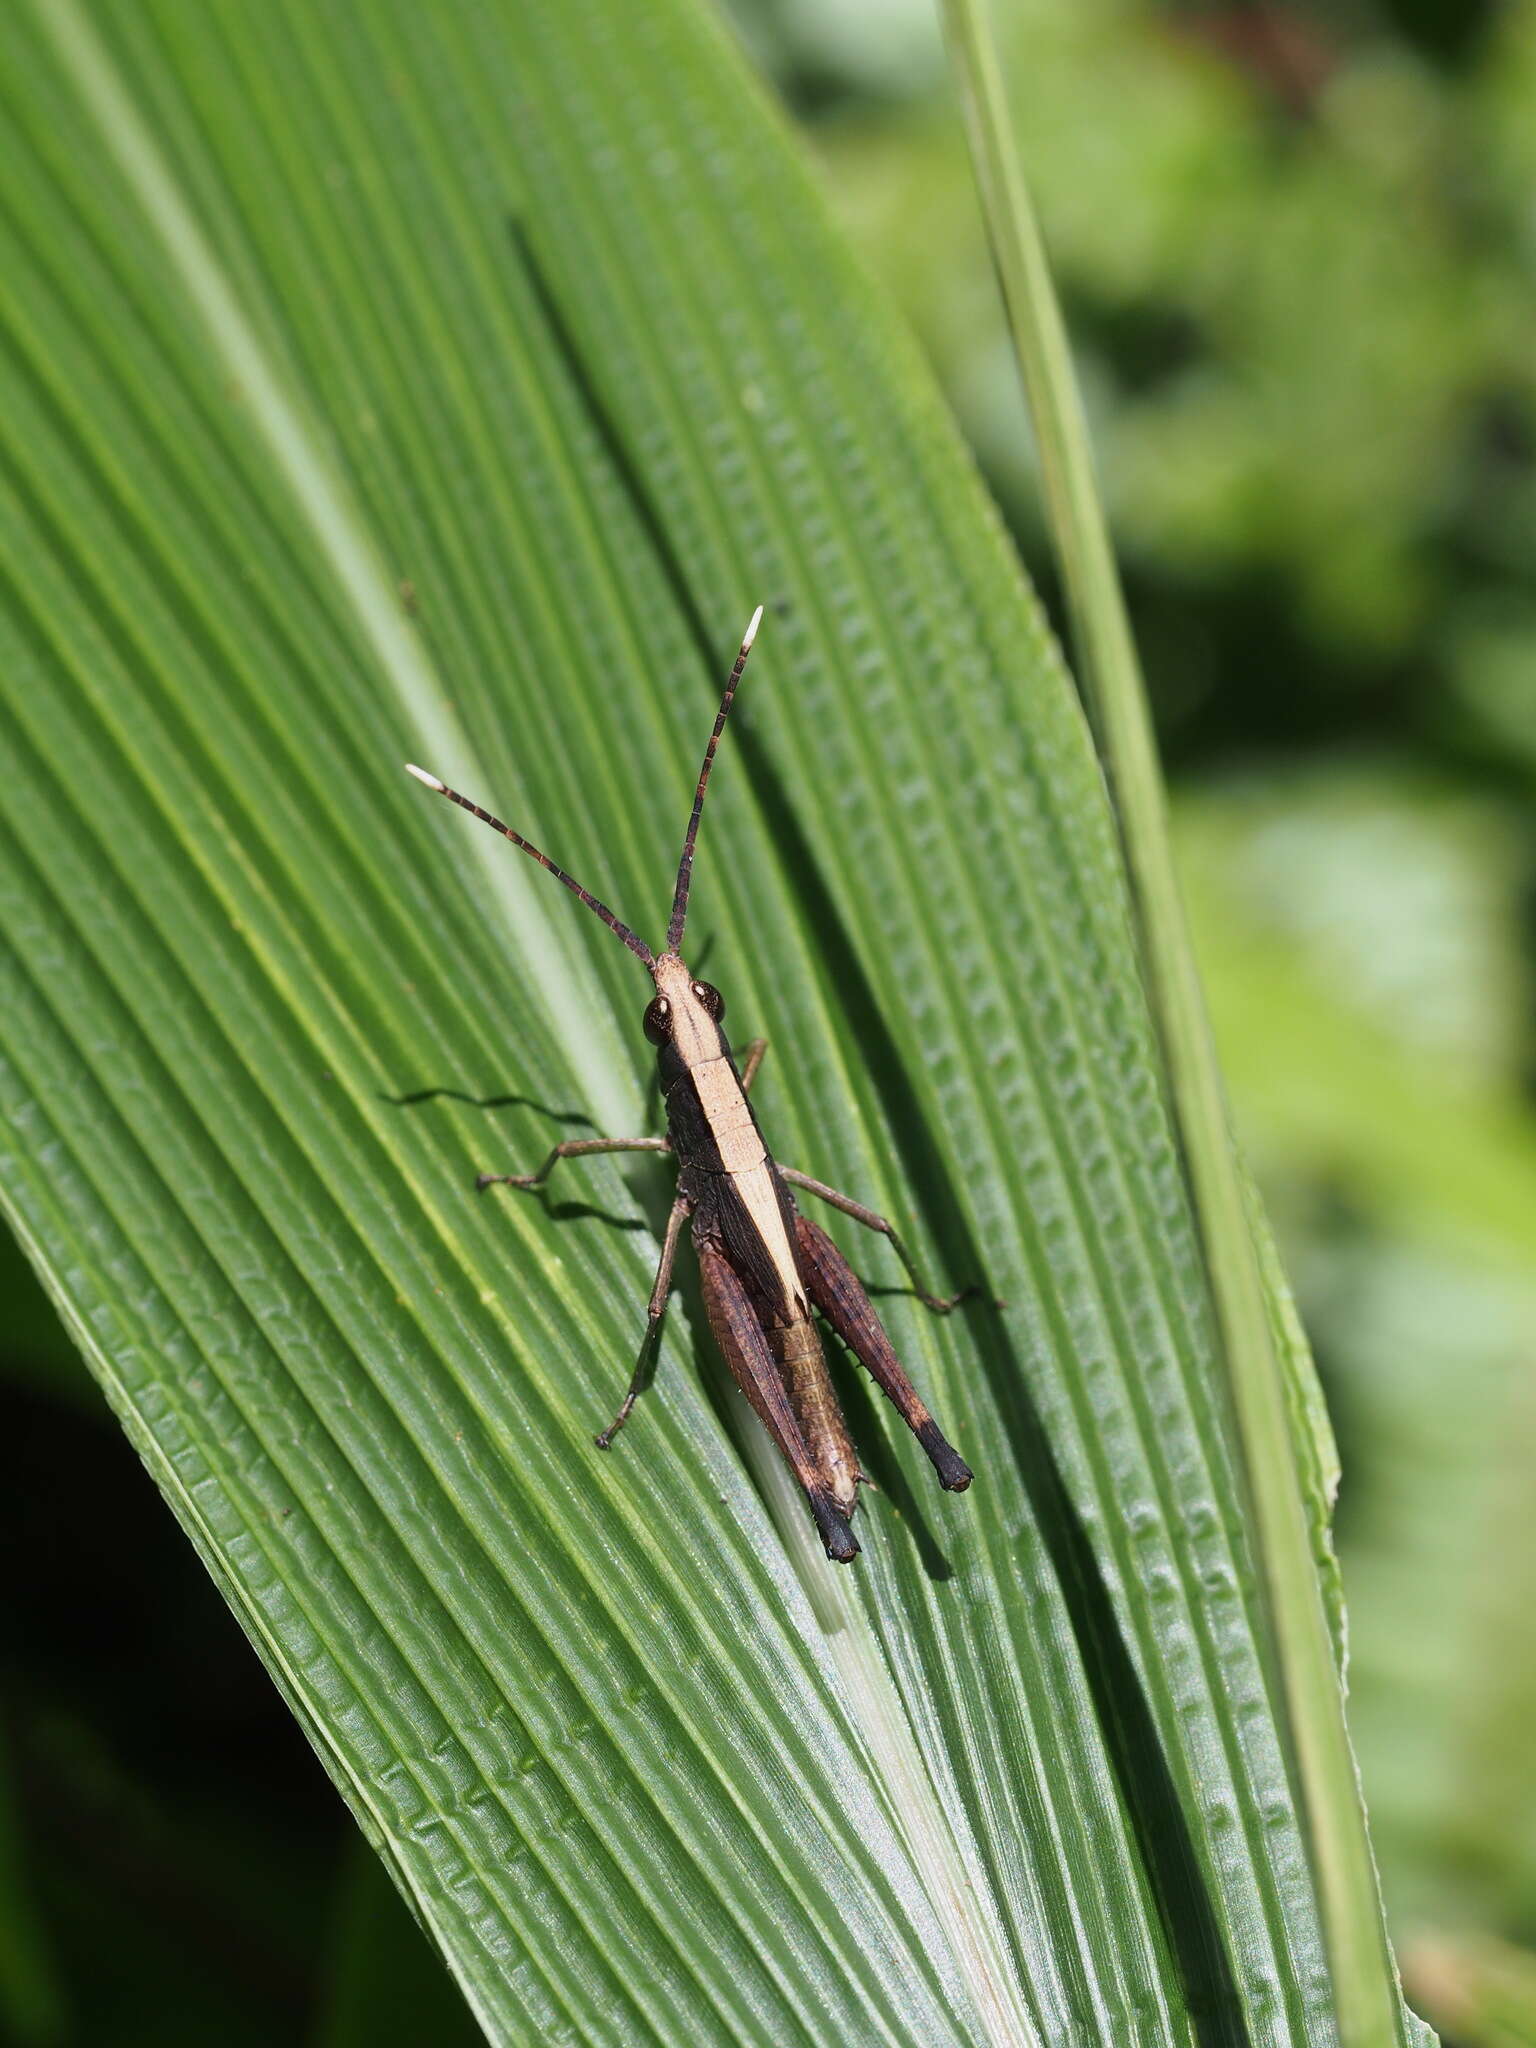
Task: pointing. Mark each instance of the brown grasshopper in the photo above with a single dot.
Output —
(764, 1266)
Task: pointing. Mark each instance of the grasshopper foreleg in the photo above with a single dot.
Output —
(748, 1353)
(834, 1287)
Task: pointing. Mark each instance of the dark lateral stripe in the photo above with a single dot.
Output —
(752, 1260)
(688, 1127)
(693, 1138)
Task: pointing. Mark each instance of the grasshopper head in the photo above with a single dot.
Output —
(684, 1014)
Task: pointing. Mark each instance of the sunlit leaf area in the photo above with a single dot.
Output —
(385, 383)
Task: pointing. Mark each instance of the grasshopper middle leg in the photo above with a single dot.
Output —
(658, 1308)
(576, 1148)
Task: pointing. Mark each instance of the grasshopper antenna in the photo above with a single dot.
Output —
(685, 865)
(636, 946)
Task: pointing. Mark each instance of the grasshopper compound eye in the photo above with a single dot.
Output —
(656, 1024)
(711, 998)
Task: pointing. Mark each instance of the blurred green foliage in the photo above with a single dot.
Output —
(1297, 264)
(1298, 251)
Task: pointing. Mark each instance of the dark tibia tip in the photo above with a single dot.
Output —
(953, 1471)
(835, 1533)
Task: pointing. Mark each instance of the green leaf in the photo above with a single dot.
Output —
(1261, 1343)
(391, 383)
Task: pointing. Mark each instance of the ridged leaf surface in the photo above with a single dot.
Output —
(448, 384)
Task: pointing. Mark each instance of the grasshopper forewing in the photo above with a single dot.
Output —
(766, 1269)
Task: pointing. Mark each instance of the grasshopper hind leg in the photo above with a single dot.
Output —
(836, 1290)
(940, 1304)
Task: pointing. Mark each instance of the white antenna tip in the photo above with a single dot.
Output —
(751, 633)
(421, 775)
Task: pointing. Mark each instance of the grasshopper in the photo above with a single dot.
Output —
(764, 1267)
